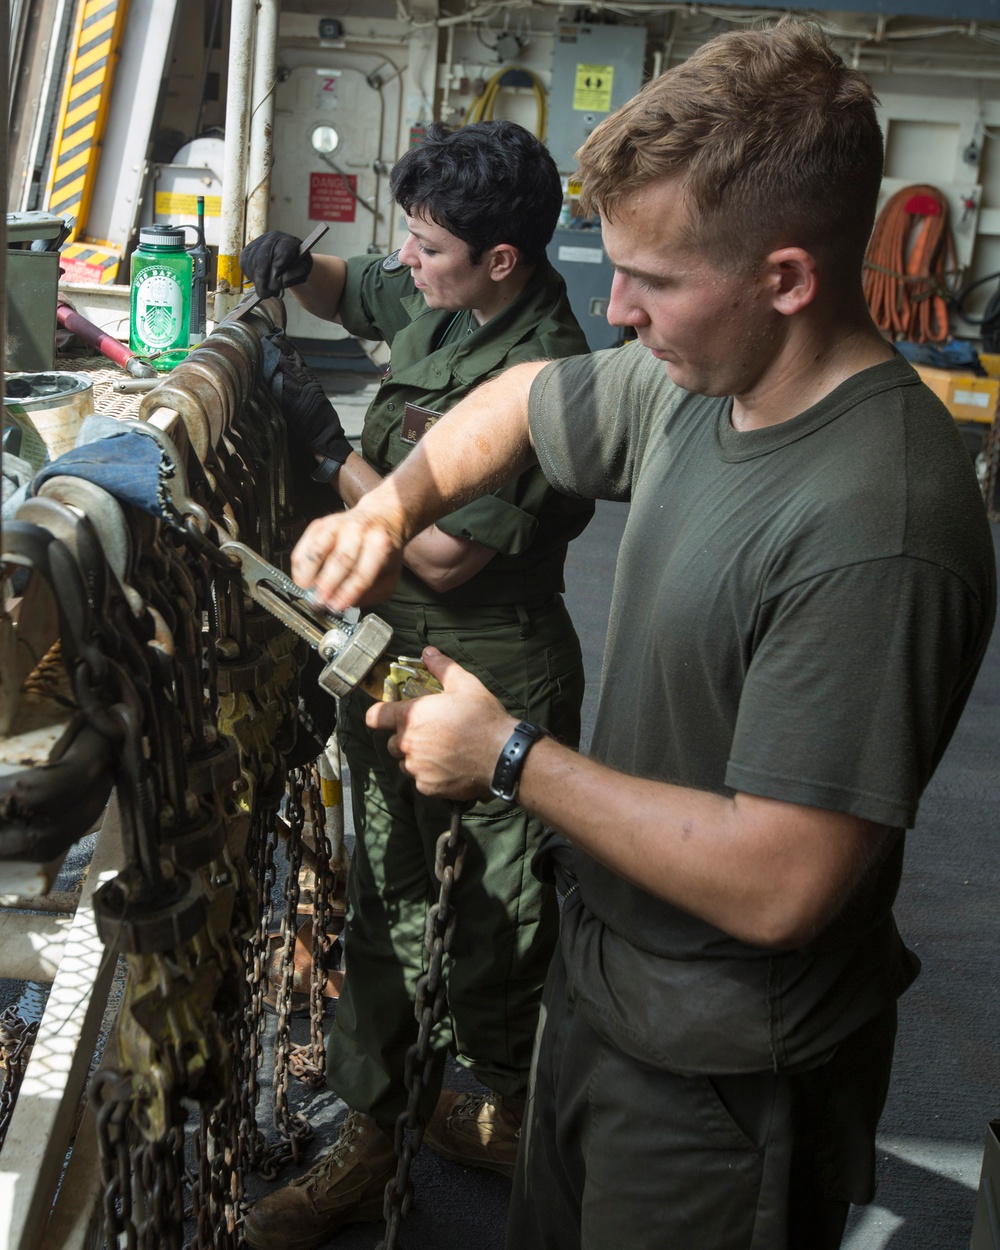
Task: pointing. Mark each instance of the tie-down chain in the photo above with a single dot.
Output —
(182, 695)
(17, 1036)
(430, 1007)
(182, 638)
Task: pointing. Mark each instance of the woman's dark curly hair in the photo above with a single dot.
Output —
(488, 183)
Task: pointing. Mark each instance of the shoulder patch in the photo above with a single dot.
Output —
(392, 263)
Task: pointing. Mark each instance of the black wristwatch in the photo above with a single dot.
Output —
(507, 773)
(326, 468)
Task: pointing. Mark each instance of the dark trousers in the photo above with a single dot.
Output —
(506, 920)
(616, 1154)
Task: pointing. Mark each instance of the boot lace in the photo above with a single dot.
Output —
(338, 1156)
(472, 1104)
(490, 1112)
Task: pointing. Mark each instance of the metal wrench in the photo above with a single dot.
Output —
(350, 644)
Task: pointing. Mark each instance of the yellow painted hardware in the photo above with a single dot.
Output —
(394, 681)
(991, 363)
(229, 271)
(86, 262)
(178, 204)
(332, 791)
(93, 55)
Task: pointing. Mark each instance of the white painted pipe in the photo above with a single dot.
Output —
(19, 181)
(265, 77)
(234, 165)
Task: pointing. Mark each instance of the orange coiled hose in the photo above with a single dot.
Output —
(910, 258)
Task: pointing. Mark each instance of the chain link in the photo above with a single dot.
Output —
(308, 1063)
(163, 683)
(294, 1130)
(254, 1152)
(159, 1167)
(17, 1036)
(430, 1006)
(113, 1097)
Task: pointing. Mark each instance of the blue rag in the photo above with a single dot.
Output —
(127, 464)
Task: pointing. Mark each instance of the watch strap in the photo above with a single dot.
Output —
(507, 774)
(331, 462)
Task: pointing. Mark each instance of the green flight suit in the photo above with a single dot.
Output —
(509, 626)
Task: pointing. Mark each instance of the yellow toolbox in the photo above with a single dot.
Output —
(967, 397)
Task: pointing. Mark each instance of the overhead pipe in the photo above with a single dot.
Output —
(265, 77)
(234, 165)
(23, 192)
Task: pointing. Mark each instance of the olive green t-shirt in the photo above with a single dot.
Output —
(799, 612)
(435, 364)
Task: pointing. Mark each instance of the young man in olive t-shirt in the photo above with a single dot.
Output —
(805, 591)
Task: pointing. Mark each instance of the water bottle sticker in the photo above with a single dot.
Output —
(159, 307)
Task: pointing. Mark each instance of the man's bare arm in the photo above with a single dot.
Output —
(770, 873)
(440, 560)
(353, 557)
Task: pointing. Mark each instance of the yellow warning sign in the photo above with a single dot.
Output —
(170, 203)
(592, 89)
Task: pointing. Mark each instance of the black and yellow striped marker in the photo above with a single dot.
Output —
(84, 261)
(90, 66)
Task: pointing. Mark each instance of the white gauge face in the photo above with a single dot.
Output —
(325, 139)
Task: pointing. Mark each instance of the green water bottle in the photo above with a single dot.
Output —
(160, 301)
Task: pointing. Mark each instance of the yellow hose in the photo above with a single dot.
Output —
(481, 108)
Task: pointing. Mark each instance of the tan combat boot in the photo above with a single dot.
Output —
(345, 1186)
(479, 1130)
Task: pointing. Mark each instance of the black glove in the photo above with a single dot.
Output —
(272, 262)
(311, 419)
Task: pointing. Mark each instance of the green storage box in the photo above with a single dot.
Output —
(32, 292)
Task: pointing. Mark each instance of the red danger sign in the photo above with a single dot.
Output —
(332, 197)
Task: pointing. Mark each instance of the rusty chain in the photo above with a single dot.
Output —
(17, 1036)
(307, 1063)
(146, 1184)
(294, 1130)
(113, 1096)
(215, 1145)
(256, 1154)
(430, 1006)
(144, 1181)
(159, 1168)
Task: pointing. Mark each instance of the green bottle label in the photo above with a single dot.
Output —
(159, 308)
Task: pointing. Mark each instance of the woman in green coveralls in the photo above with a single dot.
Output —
(469, 293)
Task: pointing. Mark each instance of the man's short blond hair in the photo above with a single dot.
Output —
(776, 139)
